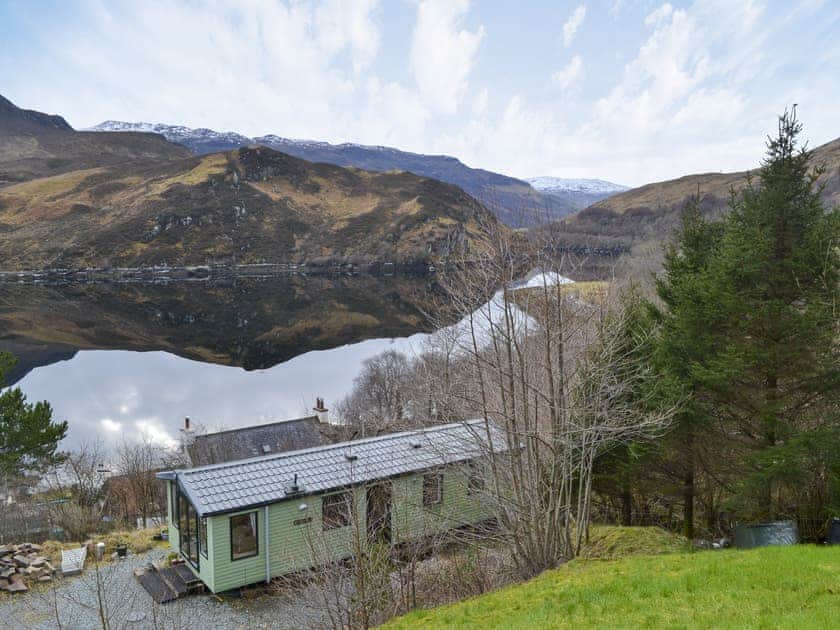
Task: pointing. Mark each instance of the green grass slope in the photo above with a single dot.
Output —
(774, 587)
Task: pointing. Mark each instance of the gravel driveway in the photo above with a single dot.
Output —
(127, 605)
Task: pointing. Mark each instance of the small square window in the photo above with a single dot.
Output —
(336, 510)
(432, 489)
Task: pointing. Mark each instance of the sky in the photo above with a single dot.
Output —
(113, 396)
(628, 91)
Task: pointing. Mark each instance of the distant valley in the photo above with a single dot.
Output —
(634, 224)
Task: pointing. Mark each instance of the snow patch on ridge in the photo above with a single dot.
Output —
(559, 184)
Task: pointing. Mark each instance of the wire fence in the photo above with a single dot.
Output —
(811, 530)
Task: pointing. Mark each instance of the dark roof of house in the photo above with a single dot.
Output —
(269, 479)
(255, 441)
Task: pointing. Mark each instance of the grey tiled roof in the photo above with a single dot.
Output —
(263, 480)
(277, 437)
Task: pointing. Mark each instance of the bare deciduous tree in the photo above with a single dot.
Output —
(136, 490)
(538, 361)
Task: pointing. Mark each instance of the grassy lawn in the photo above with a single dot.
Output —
(773, 587)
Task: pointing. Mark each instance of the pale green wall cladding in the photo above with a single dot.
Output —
(412, 520)
(297, 547)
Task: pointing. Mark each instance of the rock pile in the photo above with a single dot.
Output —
(22, 563)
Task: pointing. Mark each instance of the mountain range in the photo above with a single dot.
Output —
(124, 195)
(72, 199)
(35, 145)
(516, 202)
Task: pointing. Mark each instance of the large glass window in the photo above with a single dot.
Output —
(202, 536)
(243, 536)
(336, 510)
(173, 503)
(432, 489)
(188, 529)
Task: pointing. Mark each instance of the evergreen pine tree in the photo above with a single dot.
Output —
(28, 436)
(776, 370)
(687, 340)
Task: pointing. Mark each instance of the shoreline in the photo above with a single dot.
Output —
(166, 273)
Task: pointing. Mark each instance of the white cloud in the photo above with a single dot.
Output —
(350, 24)
(571, 26)
(685, 102)
(570, 73)
(443, 53)
(480, 103)
(110, 426)
(683, 90)
(659, 15)
(152, 430)
(256, 67)
(616, 8)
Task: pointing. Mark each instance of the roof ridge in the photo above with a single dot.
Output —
(257, 426)
(328, 447)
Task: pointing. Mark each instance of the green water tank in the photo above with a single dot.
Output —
(833, 536)
(764, 534)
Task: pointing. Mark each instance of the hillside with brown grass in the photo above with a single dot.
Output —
(252, 205)
(632, 226)
(33, 145)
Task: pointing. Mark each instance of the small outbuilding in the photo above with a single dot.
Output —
(246, 521)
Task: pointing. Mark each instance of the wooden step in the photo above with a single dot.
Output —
(157, 587)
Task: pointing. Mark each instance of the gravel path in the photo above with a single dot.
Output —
(128, 606)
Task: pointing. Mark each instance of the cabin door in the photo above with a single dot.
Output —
(379, 512)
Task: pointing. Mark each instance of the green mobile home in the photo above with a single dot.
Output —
(247, 521)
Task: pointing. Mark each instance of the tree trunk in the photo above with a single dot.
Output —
(626, 505)
(688, 503)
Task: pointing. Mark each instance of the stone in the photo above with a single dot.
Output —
(21, 561)
(17, 587)
(45, 578)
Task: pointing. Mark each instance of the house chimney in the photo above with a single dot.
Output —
(321, 411)
(187, 434)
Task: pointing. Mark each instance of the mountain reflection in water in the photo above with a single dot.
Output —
(125, 359)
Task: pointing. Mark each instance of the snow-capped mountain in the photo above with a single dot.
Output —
(516, 202)
(196, 140)
(579, 193)
(591, 186)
